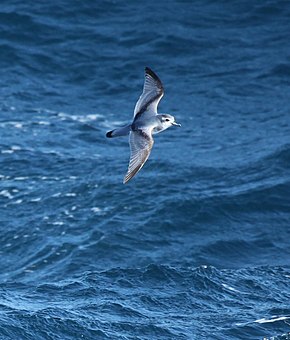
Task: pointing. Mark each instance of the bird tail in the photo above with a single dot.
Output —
(119, 132)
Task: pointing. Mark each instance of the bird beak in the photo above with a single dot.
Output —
(176, 124)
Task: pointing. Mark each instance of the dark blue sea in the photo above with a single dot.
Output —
(197, 244)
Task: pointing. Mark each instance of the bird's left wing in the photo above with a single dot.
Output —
(152, 93)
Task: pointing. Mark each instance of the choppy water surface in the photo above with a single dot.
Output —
(197, 245)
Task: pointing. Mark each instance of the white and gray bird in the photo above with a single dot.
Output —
(146, 122)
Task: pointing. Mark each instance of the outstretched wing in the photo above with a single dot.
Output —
(141, 143)
(152, 93)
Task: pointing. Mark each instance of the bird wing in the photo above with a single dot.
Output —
(152, 93)
(141, 143)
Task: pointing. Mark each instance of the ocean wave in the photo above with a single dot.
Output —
(87, 304)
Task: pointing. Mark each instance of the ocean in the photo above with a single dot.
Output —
(196, 245)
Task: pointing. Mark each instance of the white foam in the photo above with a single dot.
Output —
(43, 122)
(15, 147)
(18, 125)
(37, 199)
(18, 201)
(70, 194)
(7, 151)
(58, 223)
(273, 319)
(230, 288)
(6, 193)
(99, 211)
(11, 150)
(80, 118)
(96, 209)
(68, 214)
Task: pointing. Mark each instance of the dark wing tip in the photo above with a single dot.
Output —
(153, 75)
(109, 134)
(131, 174)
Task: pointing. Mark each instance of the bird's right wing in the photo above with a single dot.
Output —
(141, 143)
(152, 93)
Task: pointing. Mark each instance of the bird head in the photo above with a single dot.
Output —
(168, 120)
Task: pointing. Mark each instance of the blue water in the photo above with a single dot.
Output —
(196, 246)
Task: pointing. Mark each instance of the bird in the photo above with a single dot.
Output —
(146, 122)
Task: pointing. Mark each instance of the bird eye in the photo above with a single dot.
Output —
(167, 120)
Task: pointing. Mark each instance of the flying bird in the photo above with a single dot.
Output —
(146, 122)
